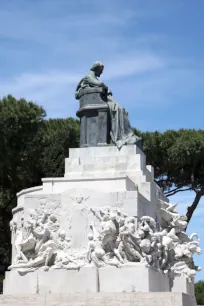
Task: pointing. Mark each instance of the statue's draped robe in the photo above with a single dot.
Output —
(121, 131)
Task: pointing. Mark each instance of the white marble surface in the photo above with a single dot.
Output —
(52, 282)
(181, 284)
(133, 278)
(106, 212)
(96, 299)
(70, 231)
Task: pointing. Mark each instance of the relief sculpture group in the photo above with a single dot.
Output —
(114, 240)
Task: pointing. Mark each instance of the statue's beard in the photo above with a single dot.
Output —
(98, 74)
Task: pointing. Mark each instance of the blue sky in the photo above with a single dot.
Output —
(153, 52)
(196, 225)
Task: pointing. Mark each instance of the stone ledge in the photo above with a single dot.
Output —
(29, 190)
(98, 299)
(105, 151)
(84, 178)
(97, 183)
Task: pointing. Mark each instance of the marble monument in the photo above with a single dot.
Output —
(105, 226)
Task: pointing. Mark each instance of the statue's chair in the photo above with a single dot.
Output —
(94, 114)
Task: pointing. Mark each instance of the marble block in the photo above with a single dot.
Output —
(132, 278)
(54, 281)
(105, 159)
(182, 284)
(14, 283)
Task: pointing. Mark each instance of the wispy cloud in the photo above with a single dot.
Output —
(41, 86)
(127, 65)
(150, 81)
(47, 23)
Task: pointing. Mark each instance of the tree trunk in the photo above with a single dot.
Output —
(192, 208)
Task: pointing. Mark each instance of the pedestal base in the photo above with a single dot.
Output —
(98, 299)
(132, 278)
(181, 284)
(51, 282)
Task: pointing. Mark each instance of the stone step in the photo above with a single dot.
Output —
(101, 151)
(89, 163)
(102, 299)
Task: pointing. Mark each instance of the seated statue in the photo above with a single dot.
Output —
(121, 132)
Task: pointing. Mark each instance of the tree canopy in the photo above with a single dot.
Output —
(58, 136)
(199, 292)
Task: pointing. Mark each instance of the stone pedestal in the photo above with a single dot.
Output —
(99, 299)
(132, 278)
(94, 118)
(181, 284)
(95, 178)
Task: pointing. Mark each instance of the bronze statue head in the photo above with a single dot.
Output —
(98, 68)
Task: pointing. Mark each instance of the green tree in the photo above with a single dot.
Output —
(20, 150)
(58, 136)
(178, 160)
(199, 292)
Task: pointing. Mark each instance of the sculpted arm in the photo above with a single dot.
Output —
(93, 81)
(39, 235)
(96, 215)
(89, 251)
